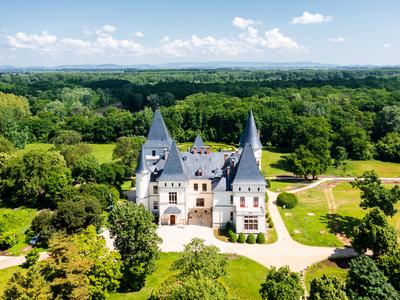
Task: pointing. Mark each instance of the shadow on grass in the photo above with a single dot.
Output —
(340, 224)
(281, 164)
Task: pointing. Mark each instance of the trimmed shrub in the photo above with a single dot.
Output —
(260, 238)
(228, 226)
(232, 236)
(242, 238)
(251, 239)
(270, 223)
(286, 200)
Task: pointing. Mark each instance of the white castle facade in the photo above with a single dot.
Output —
(200, 186)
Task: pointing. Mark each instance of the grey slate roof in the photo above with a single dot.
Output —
(158, 135)
(250, 135)
(174, 168)
(198, 143)
(172, 210)
(246, 170)
(142, 167)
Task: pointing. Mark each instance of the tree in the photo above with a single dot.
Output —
(388, 147)
(77, 214)
(81, 266)
(43, 225)
(5, 145)
(112, 174)
(25, 285)
(366, 281)
(105, 194)
(191, 287)
(303, 162)
(66, 137)
(127, 151)
(72, 153)
(374, 194)
(86, 168)
(197, 258)
(37, 178)
(281, 284)
(374, 233)
(32, 257)
(387, 120)
(389, 264)
(135, 237)
(327, 288)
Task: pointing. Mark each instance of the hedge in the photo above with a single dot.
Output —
(286, 200)
(251, 239)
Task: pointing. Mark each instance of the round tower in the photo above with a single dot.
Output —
(143, 175)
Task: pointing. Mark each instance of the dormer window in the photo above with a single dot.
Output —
(200, 172)
(153, 153)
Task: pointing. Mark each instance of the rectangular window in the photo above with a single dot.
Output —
(231, 199)
(155, 205)
(200, 202)
(173, 198)
(250, 223)
(196, 187)
(255, 201)
(153, 153)
(231, 216)
(155, 189)
(242, 201)
(204, 187)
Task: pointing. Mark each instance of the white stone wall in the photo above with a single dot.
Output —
(222, 208)
(142, 189)
(181, 188)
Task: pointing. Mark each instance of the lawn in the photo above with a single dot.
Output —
(102, 152)
(326, 214)
(338, 268)
(242, 281)
(358, 167)
(5, 275)
(283, 185)
(16, 222)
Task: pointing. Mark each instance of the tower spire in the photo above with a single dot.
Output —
(142, 167)
(250, 135)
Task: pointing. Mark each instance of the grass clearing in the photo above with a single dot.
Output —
(242, 281)
(358, 167)
(338, 268)
(16, 222)
(326, 215)
(283, 185)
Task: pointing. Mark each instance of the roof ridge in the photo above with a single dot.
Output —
(175, 168)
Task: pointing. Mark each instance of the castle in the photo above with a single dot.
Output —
(199, 186)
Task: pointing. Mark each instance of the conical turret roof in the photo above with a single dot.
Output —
(158, 135)
(247, 171)
(174, 168)
(198, 142)
(142, 167)
(250, 135)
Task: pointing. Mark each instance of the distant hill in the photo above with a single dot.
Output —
(189, 65)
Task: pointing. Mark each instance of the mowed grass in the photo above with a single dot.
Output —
(317, 225)
(16, 222)
(338, 268)
(283, 185)
(358, 167)
(242, 281)
(306, 222)
(102, 152)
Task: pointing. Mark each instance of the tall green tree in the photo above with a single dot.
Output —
(127, 151)
(327, 288)
(136, 239)
(281, 284)
(198, 258)
(374, 194)
(366, 281)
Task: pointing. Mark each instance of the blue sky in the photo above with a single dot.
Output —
(132, 32)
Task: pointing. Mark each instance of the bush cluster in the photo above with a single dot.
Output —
(251, 239)
(232, 236)
(286, 200)
(242, 238)
(260, 238)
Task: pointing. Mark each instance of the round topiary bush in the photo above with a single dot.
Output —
(242, 238)
(260, 238)
(270, 223)
(232, 236)
(251, 239)
(286, 200)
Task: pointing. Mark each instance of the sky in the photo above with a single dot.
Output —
(129, 32)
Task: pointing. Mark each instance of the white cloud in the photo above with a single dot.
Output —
(242, 23)
(165, 39)
(276, 40)
(338, 39)
(309, 18)
(31, 41)
(106, 30)
(386, 45)
(138, 34)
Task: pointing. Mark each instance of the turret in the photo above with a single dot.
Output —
(143, 175)
(251, 137)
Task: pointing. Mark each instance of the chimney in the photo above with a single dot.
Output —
(201, 150)
(208, 149)
(194, 150)
(232, 164)
(228, 171)
(165, 154)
